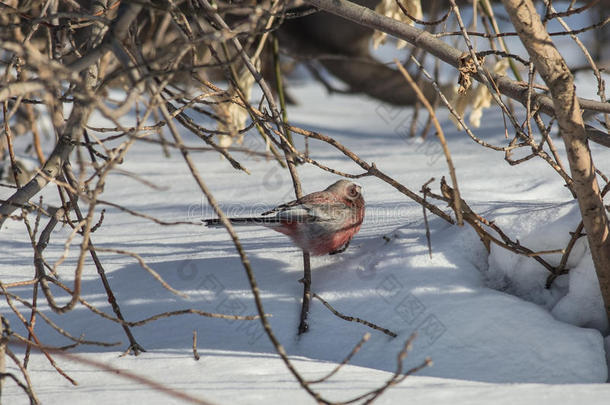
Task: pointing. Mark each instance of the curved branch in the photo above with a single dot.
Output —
(76, 122)
(555, 73)
(443, 51)
(52, 167)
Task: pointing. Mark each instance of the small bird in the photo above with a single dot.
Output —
(319, 223)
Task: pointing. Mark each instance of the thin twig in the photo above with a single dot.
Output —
(352, 318)
(352, 353)
(195, 354)
(441, 137)
(425, 190)
(157, 386)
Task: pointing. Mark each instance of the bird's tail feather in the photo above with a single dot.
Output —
(215, 223)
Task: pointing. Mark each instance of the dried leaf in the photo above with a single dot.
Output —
(482, 97)
(478, 98)
(389, 8)
(232, 116)
(467, 68)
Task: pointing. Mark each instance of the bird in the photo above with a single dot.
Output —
(323, 222)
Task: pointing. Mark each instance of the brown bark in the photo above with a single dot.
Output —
(555, 73)
(76, 122)
(2, 356)
(441, 50)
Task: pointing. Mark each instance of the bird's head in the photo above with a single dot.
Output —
(348, 190)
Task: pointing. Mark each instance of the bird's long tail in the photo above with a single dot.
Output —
(215, 223)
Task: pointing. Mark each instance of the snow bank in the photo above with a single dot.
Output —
(575, 297)
(479, 338)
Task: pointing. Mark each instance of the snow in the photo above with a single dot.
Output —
(242, 378)
(494, 333)
(575, 298)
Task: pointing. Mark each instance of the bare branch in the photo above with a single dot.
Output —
(441, 50)
(557, 76)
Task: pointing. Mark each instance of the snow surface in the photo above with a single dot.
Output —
(494, 333)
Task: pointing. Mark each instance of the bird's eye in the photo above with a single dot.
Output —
(353, 191)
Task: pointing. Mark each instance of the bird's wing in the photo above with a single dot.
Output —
(318, 206)
(281, 207)
(311, 212)
(309, 198)
(297, 213)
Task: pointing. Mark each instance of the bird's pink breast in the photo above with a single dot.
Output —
(322, 246)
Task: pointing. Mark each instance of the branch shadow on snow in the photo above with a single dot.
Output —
(466, 328)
